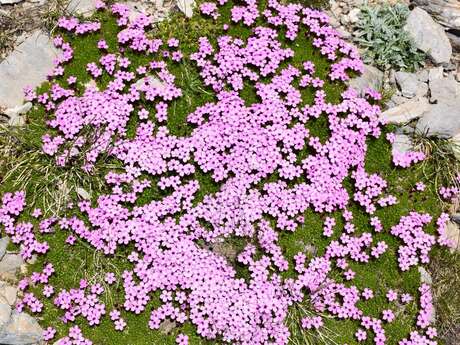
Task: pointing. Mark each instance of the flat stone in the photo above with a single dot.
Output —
(446, 12)
(408, 83)
(10, 2)
(83, 7)
(186, 7)
(225, 249)
(425, 276)
(83, 193)
(449, 67)
(8, 293)
(167, 326)
(396, 100)
(22, 329)
(422, 75)
(428, 36)
(28, 64)
(454, 41)
(3, 244)
(435, 73)
(441, 120)
(402, 144)
(310, 249)
(15, 114)
(11, 263)
(5, 313)
(343, 32)
(353, 15)
(371, 78)
(444, 90)
(136, 7)
(453, 234)
(422, 90)
(333, 21)
(150, 81)
(407, 111)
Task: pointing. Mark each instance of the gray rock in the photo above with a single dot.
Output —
(425, 276)
(444, 90)
(422, 75)
(407, 111)
(396, 100)
(453, 234)
(333, 21)
(371, 77)
(5, 313)
(28, 64)
(446, 12)
(422, 90)
(428, 36)
(167, 326)
(8, 293)
(136, 7)
(353, 15)
(11, 263)
(408, 83)
(449, 67)
(83, 7)
(15, 114)
(456, 148)
(435, 73)
(22, 329)
(310, 249)
(405, 129)
(402, 144)
(224, 248)
(456, 218)
(3, 244)
(83, 193)
(186, 7)
(150, 81)
(343, 32)
(442, 120)
(10, 2)
(454, 41)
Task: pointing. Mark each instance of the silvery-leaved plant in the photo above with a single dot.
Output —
(385, 43)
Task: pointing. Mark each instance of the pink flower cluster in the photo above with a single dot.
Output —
(81, 302)
(241, 146)
(21, 234)
(406, 159)
(417, 243)
(74, 25)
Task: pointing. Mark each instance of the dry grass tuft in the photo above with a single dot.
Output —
(445, 270)
(442, 165)
(300, 336)
(23, 166)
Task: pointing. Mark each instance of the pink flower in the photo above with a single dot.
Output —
(49, 333)
(361, 335)
(388, 315)
(110, 278)
(392, 295)
(120, 324)
(368, 293)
